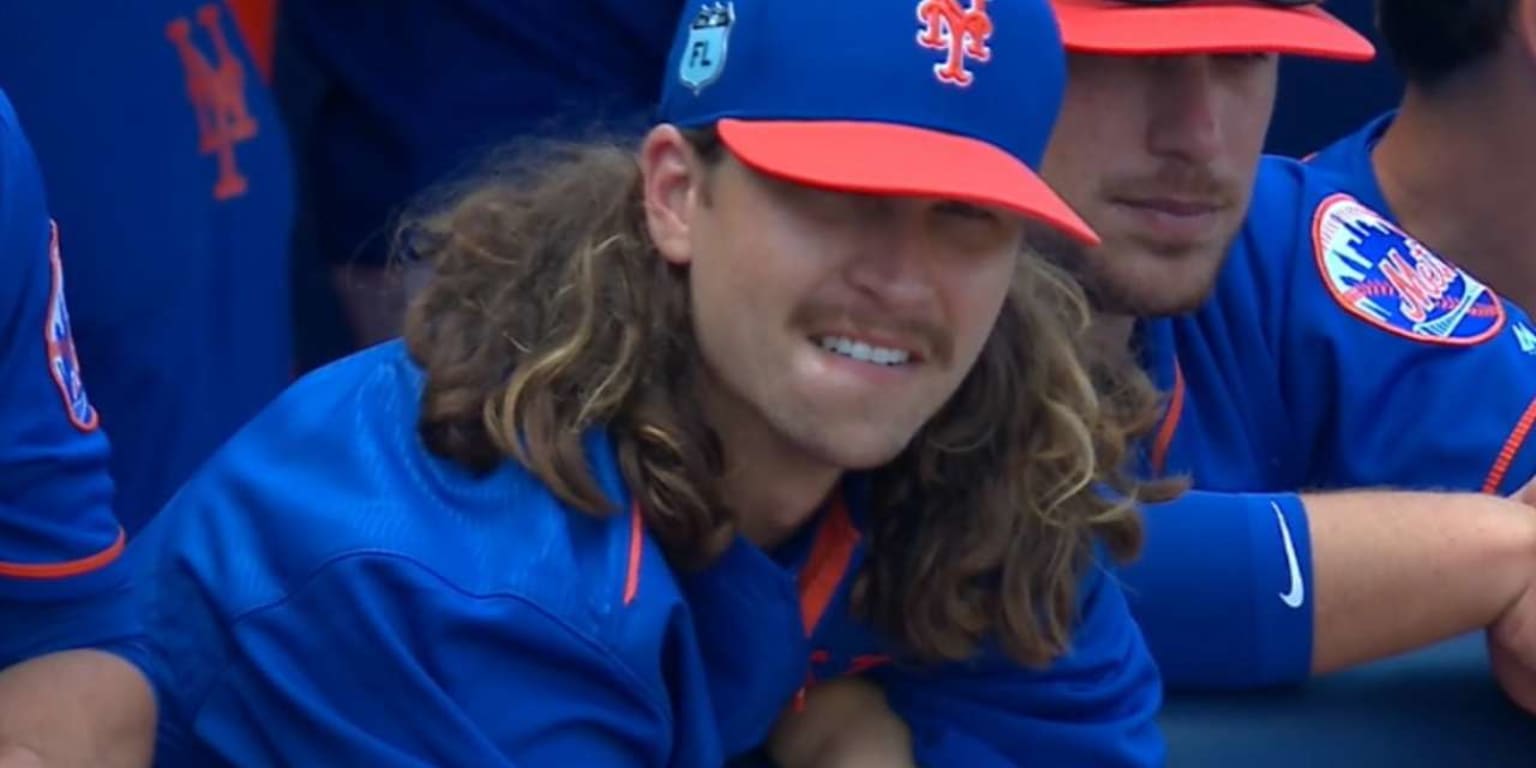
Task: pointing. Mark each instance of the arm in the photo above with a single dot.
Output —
(1377, 574)
(377, 661)
(60, 580)
(1097, 705)
(76, 708)
(1440, 565)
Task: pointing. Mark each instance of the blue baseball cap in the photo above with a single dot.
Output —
(953, 99)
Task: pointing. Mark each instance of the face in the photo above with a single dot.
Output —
(1525, 28)
(834, 324)
(1158, 154)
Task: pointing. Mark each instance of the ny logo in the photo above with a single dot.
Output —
(960, 32)
(217, 93)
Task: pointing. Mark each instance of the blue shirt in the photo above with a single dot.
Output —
(61, 577)
(168, 173)
(327, 592)
(1347, 162)
(1335, 352)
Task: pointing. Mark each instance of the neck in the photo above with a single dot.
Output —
(1459, 172)
(1111, 331)
(771, 485)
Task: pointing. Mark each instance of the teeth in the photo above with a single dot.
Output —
(863, 352)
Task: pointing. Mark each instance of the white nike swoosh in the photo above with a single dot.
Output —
(1298, 593)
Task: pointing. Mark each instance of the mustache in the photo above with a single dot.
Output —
(1184, 182)
(930, 340)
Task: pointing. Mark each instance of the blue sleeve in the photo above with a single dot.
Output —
(1097, 705)
(1399, 368)
(1222, 590)
(430, 675)
(59, 539)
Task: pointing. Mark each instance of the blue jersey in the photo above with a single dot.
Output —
(1336, 352)
(167, 171)
(1348, 162)
(327, 592)
(60, 572)
(518, 69)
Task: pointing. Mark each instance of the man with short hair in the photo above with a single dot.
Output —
(1310, 350)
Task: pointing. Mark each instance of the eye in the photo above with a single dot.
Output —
(974, 229)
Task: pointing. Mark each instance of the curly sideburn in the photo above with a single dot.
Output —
(550, 313)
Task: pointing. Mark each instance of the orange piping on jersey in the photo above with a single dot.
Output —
(48, 571)
(1170, 421)
(1511, 447)
(831, 553)
(632, 578)
(828, 564)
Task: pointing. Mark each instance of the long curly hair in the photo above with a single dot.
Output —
(550, 313)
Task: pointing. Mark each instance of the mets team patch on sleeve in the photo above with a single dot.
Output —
(63, 362)
(1381, 275)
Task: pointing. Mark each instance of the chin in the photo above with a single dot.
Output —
(1139, 302)
(1164, 288)
(859, 452)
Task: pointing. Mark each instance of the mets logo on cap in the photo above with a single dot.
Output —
(1383, 276)
(63, 362)
(704, 52)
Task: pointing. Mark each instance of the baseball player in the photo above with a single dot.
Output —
(1310, 350)
(656, 417)
(1454, 165)
(168, 171)
(62, 582)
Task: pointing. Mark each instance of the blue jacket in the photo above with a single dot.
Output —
(327, 592)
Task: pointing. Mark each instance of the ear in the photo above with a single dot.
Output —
(1525, 27)
(671, 174)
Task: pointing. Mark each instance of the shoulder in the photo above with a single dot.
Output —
(1374, 272)
(1311, 245)
(333, 471)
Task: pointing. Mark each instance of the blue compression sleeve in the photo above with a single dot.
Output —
(1223, 590)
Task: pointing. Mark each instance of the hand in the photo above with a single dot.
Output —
(19, 757)
(845, 723)
(1512, 651)
(76, 708)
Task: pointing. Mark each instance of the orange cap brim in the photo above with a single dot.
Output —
(1207, 26)
(900, 160)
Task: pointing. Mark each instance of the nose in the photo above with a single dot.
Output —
(895, 260)
(1185, 123)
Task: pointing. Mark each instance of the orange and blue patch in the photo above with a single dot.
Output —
(59, 340)
(1380, 274)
